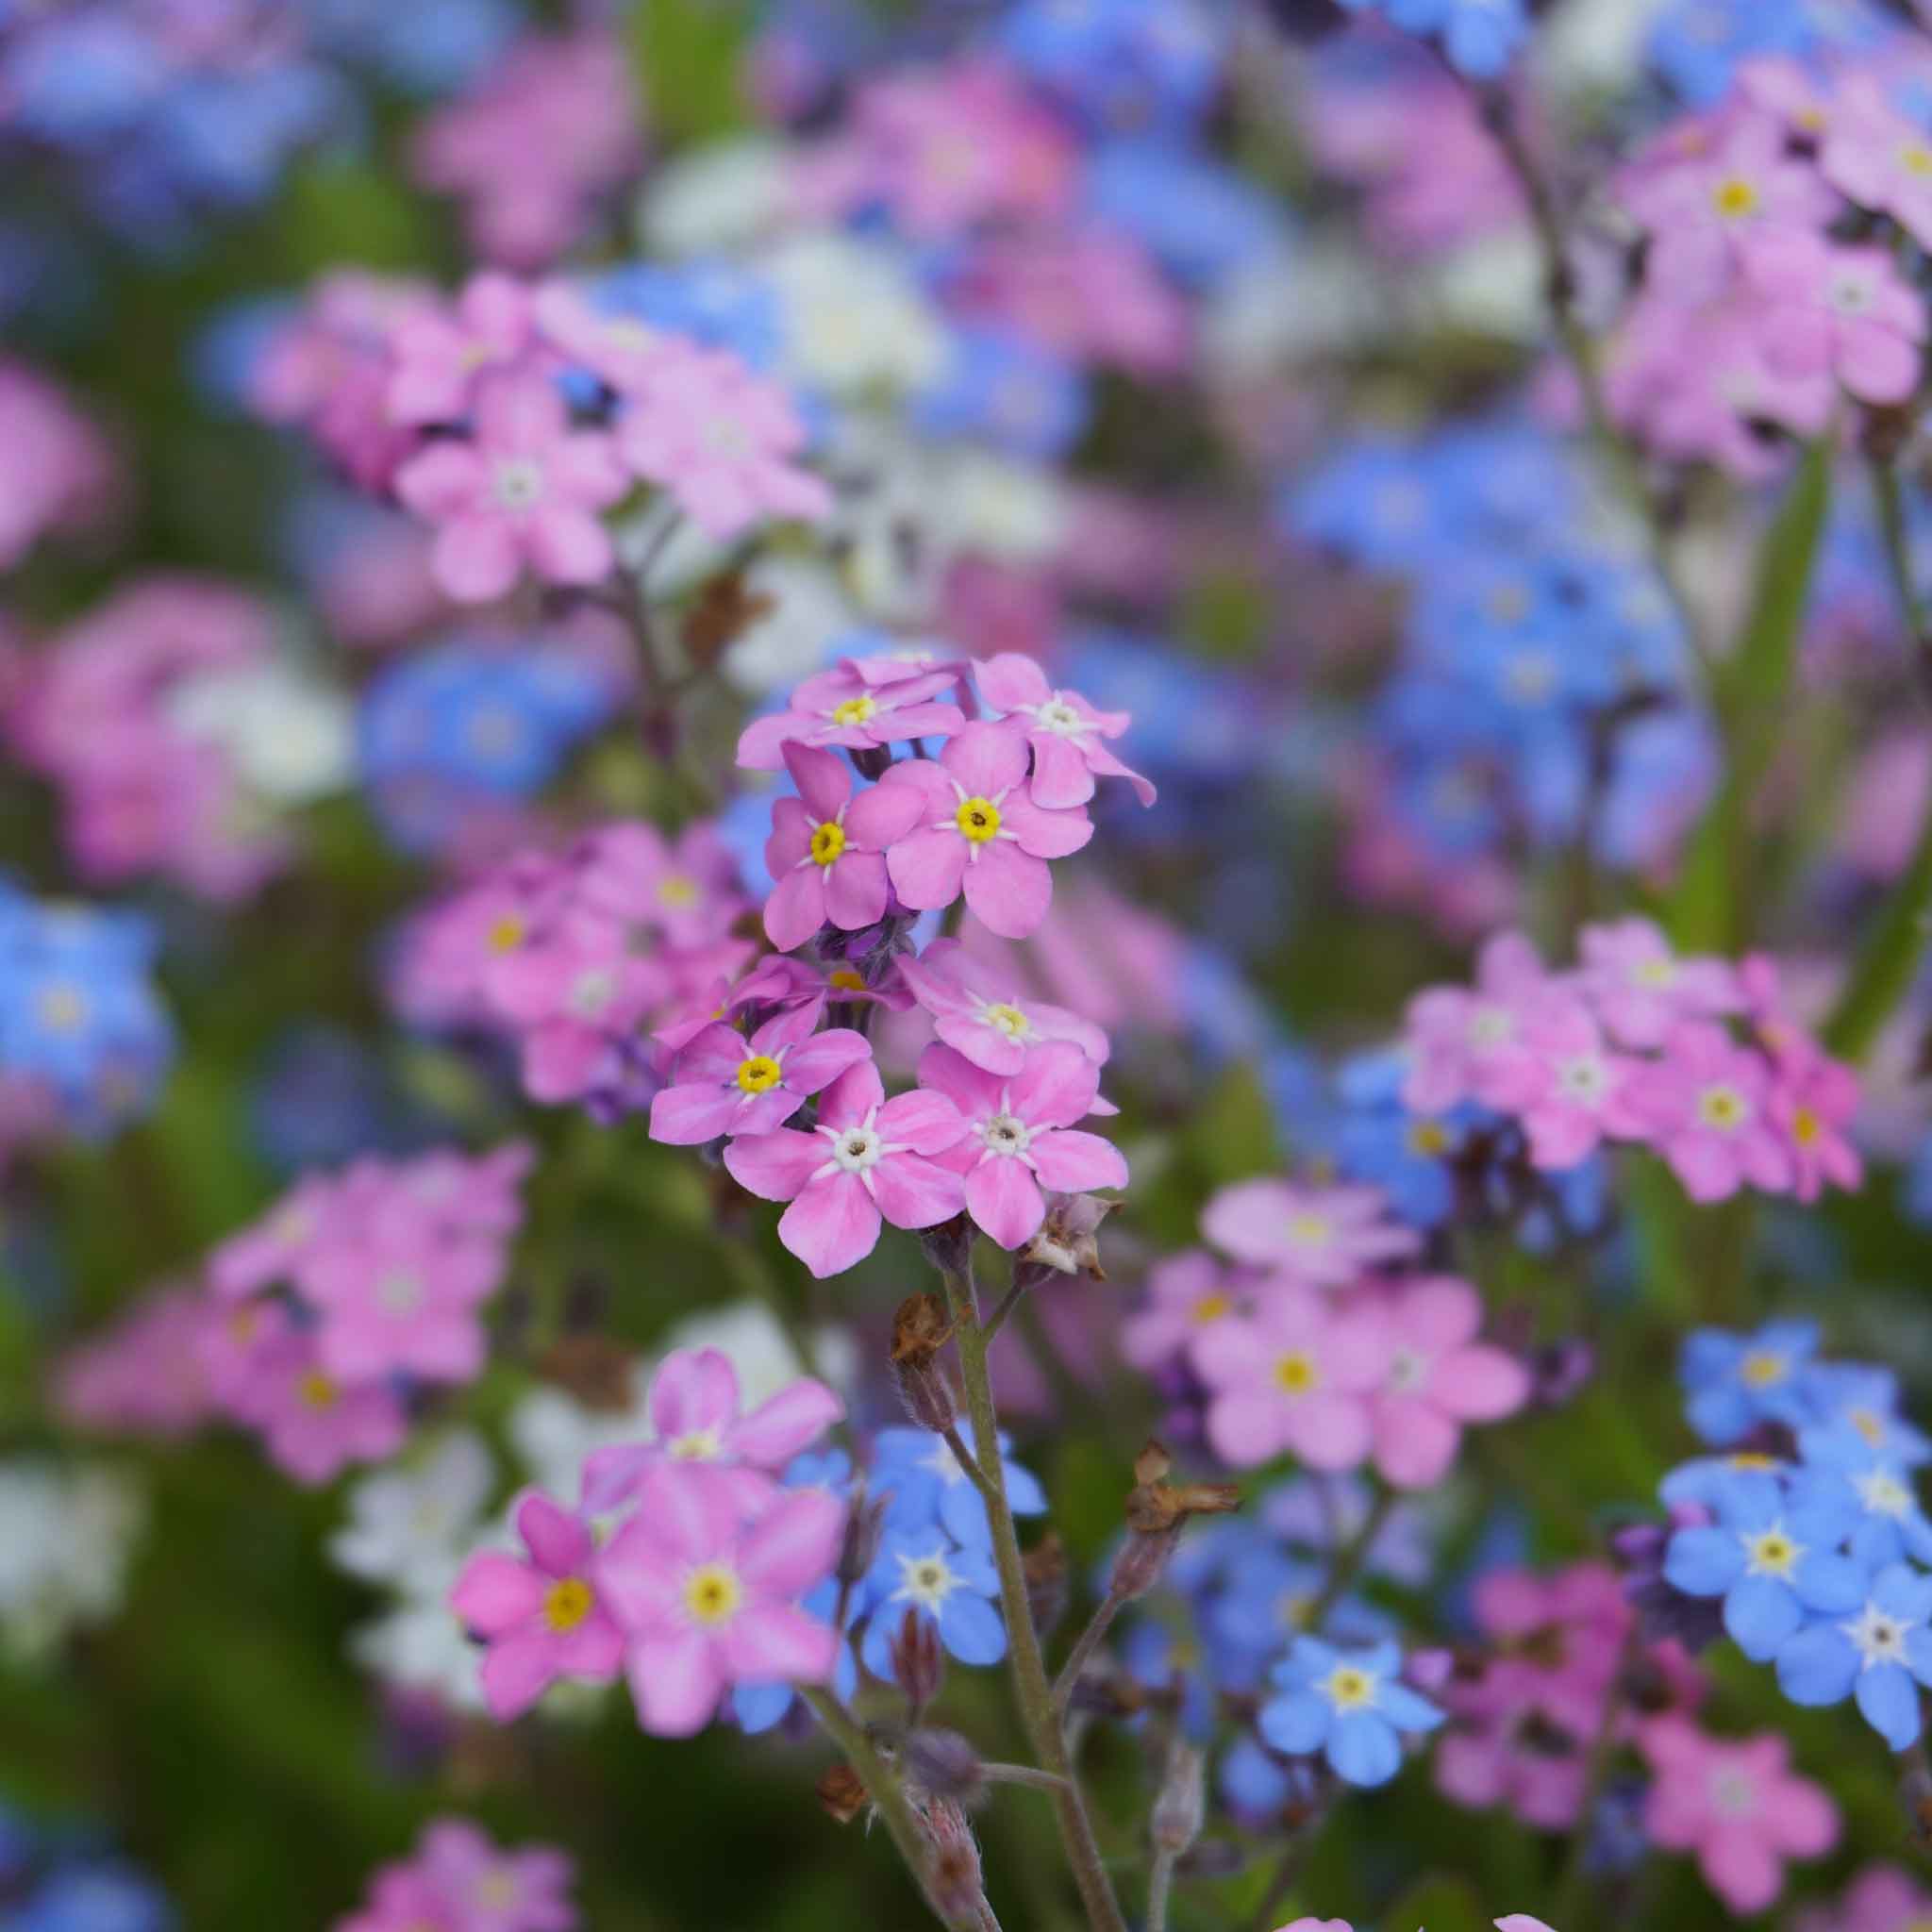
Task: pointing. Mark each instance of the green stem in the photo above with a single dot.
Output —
(1030, 1685)
(888, 1795)
(1346, 1564)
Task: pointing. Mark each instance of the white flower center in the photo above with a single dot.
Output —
(518, 483)
(1005, 1017)
(1877, 1638)
(1773, 1551)
(1006, 1134)
(926, 1580)
(1058, 716)
(1883, 1493)
(1409, 1369)
(856, 1149)
(399, 1293)
(592, 992)
(1584, 1078)
(1490, 1026)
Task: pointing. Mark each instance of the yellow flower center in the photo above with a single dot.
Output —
(1806, 1126)
(1348, 1689)
(1772, 1552)
(496, 1891)
(677, 891)
(1211, 1308)
(712, 1594)
(759, 1074)
(505, 934)
(1428, 1137)
(1003, 1017)
(1735, 197)
(1761, 1369)
(1869, 1423)
(846, 980)
(1722, 1108)
(854, 711)
(567, 1603)
(62, 1008)
(979, 819)
(827, 842)
(695, 1446)
(315, 1391)
(1746, 1459)
(1915, 158)
(1308, 1230)
(1296, 1373)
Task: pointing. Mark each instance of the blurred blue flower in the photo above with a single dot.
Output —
(1879, 1656)
(1350, 1706)
(1735, 1382)
(925, 1486)
(1195, 215)
(1003, 389)
(1478, 36)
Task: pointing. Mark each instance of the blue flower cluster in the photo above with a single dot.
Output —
(934, 1559)
(1350, 1706)
(62, 1880)
(83, 1033)
(1542, 696)
(1479, 37)
(1699, 45)
(1814, 1543)
(1150, 65)
(473, 723)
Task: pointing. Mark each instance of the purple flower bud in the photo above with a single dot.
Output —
(944, 1763)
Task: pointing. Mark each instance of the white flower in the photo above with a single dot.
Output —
(65, 1540)
(290, 738)
(809, 612)
(854, 320)
(422, 1646)
(553, 1432)
(716, 199)
(406, 1526)
(761, 1353)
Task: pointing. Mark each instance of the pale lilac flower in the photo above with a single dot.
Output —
(497, 1890)
(986, 1017)
(1640, 988)
(695, 1423)
(1185, 1293)
(983, 833)
(1297, 1376)
(708, 1600)
(543, 1616)
(1570, 1090)
(1831, 307)
(860, 704)
(312, 1424)
(1813, 1102)
(1319, 1237)
(441, 355)
(1021, 1134)
(1068, 734)
(721, 437)
(868, 1159)
(524, 494)
(399, 1298)
(1879, 160)
(827, 849)
(1707, 1105)
(1439, 1379)
(724, 1084)
(570, 996)
(1466, 1042)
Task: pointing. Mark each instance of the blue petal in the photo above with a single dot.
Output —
(1407, 1709)
(1834, 1586)
(971, 1629)
(1720, 1415)
(876, 1645)
(1761, 1614)
(1704, 1562)
(1901, 1591)
(1363, 1748)
(962, 1513)
(1918, 1654)
(1818, 1666)
(1025, 1496)
(758, 1706)
(1890, 1700)
(1297, 1723)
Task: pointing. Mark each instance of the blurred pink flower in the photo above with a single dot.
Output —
(985, 1017)
(859, 704)
(1066, 733)
(441, 355)
(1319, 1237)
(827, 849)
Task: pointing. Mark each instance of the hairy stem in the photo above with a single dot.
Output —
(1030, 1684)
(1159, 1881)
(888, 1795)
(1083, 1646)
(1346, 1563)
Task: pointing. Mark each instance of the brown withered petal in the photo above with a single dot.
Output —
(1045, 1569)
(720, 614)
(842, 1792)
(1067, 1241)
(597, 1370)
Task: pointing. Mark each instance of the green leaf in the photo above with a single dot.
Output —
(1439, 1903)
(687, 55)
(1710, 908)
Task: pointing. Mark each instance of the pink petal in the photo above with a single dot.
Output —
(1072, 1163)
(793, 1547)
(1245, 1428)
(883, 815)
(569, 545)
(1056, 1086)
(984, 758)
(775, 1166)
(693, 1393)
(926, 1122)
(916, 1192)
(495, 1592)
(1005, 1199)
(972, 1089)
(790, 836)
(790, 1421)
(1045, 834)
(477, 557)
(1480, 1384)
(823, 779)
(927, 868)
(1010, 679)
(821, 1059)
(831, 1225)
(856, 889)
(796, 908)
(441, 482)
(688, 1116)
(675, 1682)
(559, 1542)
(1007, 892)
(853, 1095)
(517, 1671)
(1329, 1431)
(1415, 1444)
(779, 1643)
(1060, 774)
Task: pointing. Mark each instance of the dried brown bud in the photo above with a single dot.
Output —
(1156, 1510)
(1915, 1797)
(842, 1794)
(1141, 1562)
(1045, 1569)
(1179, 1805)
(720, 614)
(595, 1370)
(1068, 1238)
(944, 1763)
(920, 1331)
(919, 1665)
(1154, 1464)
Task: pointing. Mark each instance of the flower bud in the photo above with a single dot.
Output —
(919, 1665)
(1175, 1821)
(864, 1521)
(871, 760)
(1045, 1569)
(944, 1763)
(1915, 1799)
(1066, 1243)
(953, 1873)
(1157, 1511)
(920, 1331)
(948, 1246)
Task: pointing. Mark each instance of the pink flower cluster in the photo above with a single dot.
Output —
(1751, 310)
(574, 955)
(1513, 1922)
(102, 709)
(697, 1588)
(454, 406)
(535, 146)
(458, 1880)
(1309, 1347)
(1692, 1056)
(59, 474)
(313, 1321)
